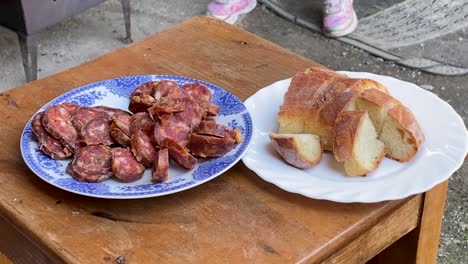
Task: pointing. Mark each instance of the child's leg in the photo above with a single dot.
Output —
(229, 10)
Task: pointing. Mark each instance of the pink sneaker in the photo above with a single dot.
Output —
(339, 18)
(229, 10)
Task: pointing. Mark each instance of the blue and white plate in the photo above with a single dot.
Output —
(115, 93)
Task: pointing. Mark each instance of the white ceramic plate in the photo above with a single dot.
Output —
(115, 93)
(442, 153)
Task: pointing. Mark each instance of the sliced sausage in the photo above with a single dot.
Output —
(211, 128)
(141, 122)
(125, 166)
(142, 148)
(163, 88)
(119, 136)
(179, 154)
(173, 128)
(202, 95)
(160, 170)
(206, 146)
(96, 131)
(48, 144)
(122, 121)
(57, 120)
(166, 106)
(141, 98)
(91, 164)
(83, 115)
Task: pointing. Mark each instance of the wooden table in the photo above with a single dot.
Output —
(235, 218)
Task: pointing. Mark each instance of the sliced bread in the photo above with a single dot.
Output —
(395, 124)
(401, 133)
(355, 143)
(300, 150)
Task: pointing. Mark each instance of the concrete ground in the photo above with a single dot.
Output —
(97, 31)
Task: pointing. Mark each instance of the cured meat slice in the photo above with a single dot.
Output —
(206, 146)
(110, 111)
(199, 92)
(211, 128)
(191, 114)
(160, 170)
(163, 88)
(122, 121)
(171, 127)
(119, 136)
(91, 164)
(96, 131)
(83, 115)
(141, 122)
(57, 120)
(179, 154)
(141, 103)
(166, 106)
(202, 95)
(143, 148)
(125, 166)
(141, 98)
(48, 144)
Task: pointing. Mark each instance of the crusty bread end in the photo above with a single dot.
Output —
(300, 150)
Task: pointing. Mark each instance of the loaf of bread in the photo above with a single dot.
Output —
(355, 143)
(300, 150)
(395, 124)
(314, 100)
(357, 119)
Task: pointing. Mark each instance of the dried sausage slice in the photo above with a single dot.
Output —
(160, 170)
(119, 136)
(83, 115)
(163, 88)
(125, 166)
(91, 164)
(96, 131)
(57, 120)
(179, 154)
(211, 128)
(122, 121)
(48, 144)
(202, 95)
(172, 128)
(141, 98)
(143, 148)
(141, 122)
(206, 146)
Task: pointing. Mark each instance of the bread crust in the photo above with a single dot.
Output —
(345, 134)
(405, 118)
(292, 152)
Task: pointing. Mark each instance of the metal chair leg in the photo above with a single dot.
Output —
(126, 14)
(28, 47)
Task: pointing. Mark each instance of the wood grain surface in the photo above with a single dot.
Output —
(235, 218)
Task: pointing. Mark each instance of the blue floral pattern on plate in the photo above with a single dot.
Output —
(115, 93)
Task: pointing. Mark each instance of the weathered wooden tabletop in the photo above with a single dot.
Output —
(235, 218)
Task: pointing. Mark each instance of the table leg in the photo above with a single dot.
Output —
(420, 245)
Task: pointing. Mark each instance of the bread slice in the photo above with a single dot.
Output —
(356, 144)
(377, 104)
(395, 124)
(401, 133)
(303, 151)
